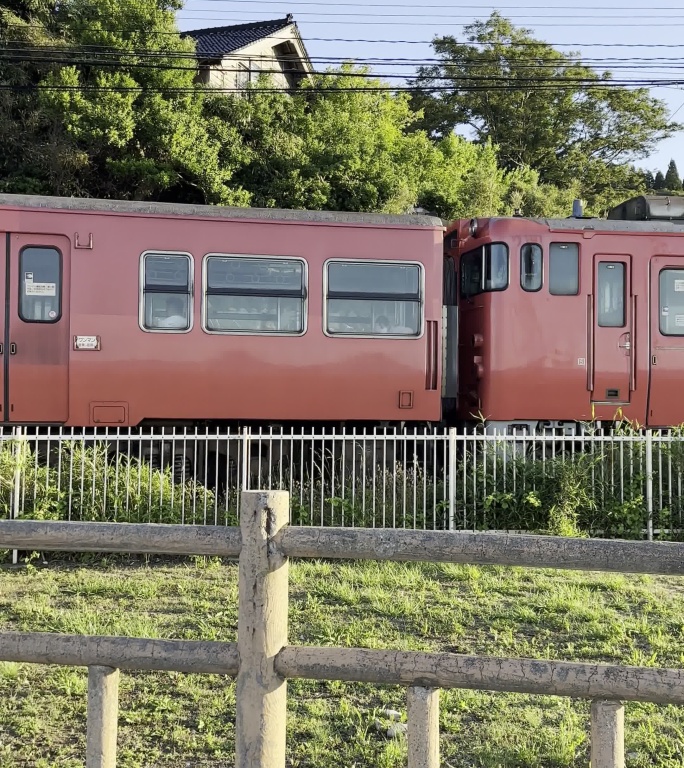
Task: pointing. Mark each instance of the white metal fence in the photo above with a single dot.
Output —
(622, 483)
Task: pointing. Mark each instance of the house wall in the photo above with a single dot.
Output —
(258, 56)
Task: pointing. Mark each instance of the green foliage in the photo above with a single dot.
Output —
(81, 482)
(117, 125)
(672, 178)
(576, 128)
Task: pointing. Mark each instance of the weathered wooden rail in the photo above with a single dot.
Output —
(263, 661)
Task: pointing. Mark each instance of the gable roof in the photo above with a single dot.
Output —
(217, 41)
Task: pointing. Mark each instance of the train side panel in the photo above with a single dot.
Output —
(120, 374)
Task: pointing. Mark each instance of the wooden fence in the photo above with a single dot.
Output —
(263, 661)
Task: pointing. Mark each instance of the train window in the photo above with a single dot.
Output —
(40, 270)
(672, 302)
(485, 269)
(166, 292)
(254, 295)
(610, 298)
(531, 267)
(564, 269)
(373, 298)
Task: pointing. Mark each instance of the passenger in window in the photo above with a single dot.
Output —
(382, 324)
(176, 314)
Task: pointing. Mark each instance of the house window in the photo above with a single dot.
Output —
(373, 298)
(564, 269)
(40, 285)
(254, 295)
(531, 267)
(242, 78)
(166, 295)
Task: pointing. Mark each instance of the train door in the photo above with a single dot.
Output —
(665, 404)
(612, 360)
(35, 347)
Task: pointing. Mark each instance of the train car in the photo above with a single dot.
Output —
(123, 314)
(566, 321)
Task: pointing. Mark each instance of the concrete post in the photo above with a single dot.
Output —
(607, 734)
(262, 632)
(423, 727)
(103, 712)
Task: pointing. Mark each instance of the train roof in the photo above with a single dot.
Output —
(611, 225)
(130, 207)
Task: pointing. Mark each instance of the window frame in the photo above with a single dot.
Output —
(374, 297)
(660, 304)
(483, 290)
(623, 323)
(579, 267)
(541, 271)
(20, 285)
(253, 257)
(190, 292)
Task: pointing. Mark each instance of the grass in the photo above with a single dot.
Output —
(169, 719)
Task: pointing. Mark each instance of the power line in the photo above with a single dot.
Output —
(307, 38)
(69, 55)
(448, 6)
(357, 14)
(383, 22)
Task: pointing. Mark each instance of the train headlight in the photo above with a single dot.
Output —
(472, 227)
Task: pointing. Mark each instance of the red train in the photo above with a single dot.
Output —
(562, 321)
(131, 314)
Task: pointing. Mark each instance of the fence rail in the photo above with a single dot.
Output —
(263, 661)
(621, 483)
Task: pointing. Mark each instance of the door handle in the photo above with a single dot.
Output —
(628, 341)
(13, 349)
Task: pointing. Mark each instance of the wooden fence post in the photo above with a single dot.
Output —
(423, 727)
(103, 713)
(607, 734)
(262, 632)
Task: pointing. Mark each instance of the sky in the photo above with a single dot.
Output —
(626, 29)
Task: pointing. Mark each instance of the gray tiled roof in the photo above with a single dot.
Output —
(217, 41)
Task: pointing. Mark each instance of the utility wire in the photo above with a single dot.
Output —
(70, 54)
(185, 33)
(66, 59)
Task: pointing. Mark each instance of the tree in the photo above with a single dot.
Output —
(673, 182)
(649, 180)
(328, 147)
(659, 182)
(543, 109)
(104, 119)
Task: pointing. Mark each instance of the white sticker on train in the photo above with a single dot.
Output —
(679, 285)
(41, 289)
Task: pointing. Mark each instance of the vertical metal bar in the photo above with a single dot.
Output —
(19, 454)
(649, 484)
(452, 478)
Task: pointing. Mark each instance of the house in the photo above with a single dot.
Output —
(231, 57)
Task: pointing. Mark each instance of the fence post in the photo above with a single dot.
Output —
(262, 632)
(103, 712)
(423, 727)
(607, 734)
(452, 478)
(649, 484)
